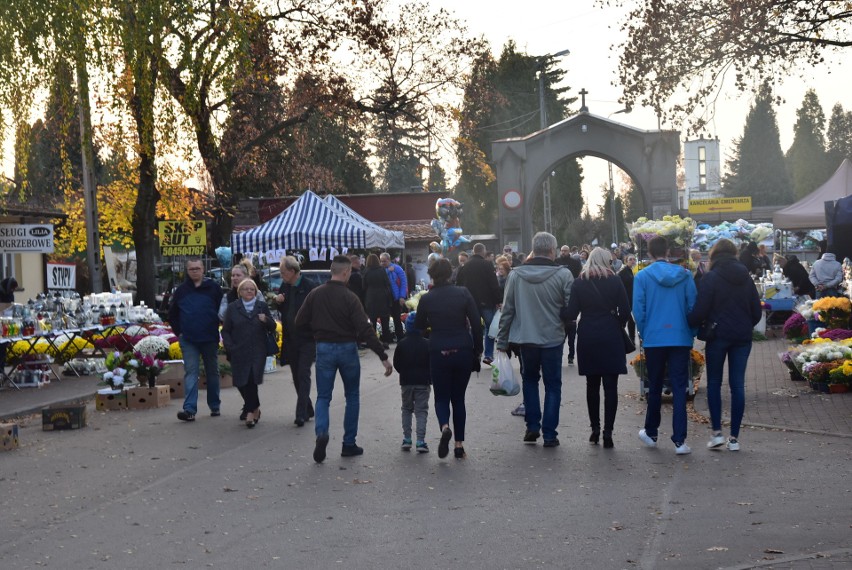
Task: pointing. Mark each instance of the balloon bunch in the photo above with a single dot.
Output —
(446, 225)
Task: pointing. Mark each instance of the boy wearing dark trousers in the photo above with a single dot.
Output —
(411, 360)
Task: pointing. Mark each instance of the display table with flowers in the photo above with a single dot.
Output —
(677, 232)
(826, 364)
(696, 367)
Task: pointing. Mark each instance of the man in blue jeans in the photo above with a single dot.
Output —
(663, 295)
(535, 294)
(194, 317)
(336, 318)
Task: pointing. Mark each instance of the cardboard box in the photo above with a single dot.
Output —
(8, 437)
(174, 370)
(225, 381)
(148, 398)
(176, 388)
(63, 417)
(111, 402)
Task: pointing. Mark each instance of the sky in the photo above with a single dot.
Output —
(541, 27)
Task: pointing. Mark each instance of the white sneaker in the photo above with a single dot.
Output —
(683, 449)
(717, 441)
(733, 445)
(647, 439)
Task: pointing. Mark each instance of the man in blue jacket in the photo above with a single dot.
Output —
(194, 317)
(663, 295)
(399, 287)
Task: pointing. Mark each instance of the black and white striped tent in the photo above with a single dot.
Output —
(310, 223)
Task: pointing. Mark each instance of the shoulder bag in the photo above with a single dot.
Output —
(629, 345)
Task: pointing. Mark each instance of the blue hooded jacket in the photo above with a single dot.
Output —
(663, 294)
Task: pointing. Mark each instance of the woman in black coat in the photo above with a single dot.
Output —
(793, 270)
(728, 298)
(247, 321)
(378, 296)
(598, 297)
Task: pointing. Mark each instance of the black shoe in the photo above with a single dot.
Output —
(385, 346)
(215, 413)
(459, 453)
(570, 361)
(299, 422)
(608, 444)
(531, 436)
(319, 450)
(444, 445)
(243, 415)
(310, 413)
(593, 439)
(186, 416)
(551, 442)
(351, 451)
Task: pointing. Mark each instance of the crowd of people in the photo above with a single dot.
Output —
(529, 306)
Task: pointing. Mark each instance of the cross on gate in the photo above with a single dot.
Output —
(583, 93)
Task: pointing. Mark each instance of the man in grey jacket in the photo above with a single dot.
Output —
(826, 275)
(535, 294)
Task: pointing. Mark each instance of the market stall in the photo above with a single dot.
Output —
(311, 223)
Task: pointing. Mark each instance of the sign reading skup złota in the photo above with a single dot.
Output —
(183, 238)
(720, 205)
(20, 238)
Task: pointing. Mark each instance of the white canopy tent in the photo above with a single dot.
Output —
(809, 212)
(391, 238)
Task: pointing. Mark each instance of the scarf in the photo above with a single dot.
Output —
(249, 305)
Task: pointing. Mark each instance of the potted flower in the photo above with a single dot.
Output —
(148, 355)
(787, 359)
(796, 328)
(696, 367)
(117, 375)
(840, 377)
(833, 311)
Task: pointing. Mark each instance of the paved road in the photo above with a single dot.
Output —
(142, 490)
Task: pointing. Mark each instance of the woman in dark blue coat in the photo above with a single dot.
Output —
(727, 297)
(378, 296)
(455, 344)
(599, 298)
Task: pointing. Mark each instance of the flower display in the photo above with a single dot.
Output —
(833, 311)
(841, 374)
(152, 345)
(806, 309)
(147, 366)
(835, 334)
(116, 379)
(696, 362)
(819, 372)
(677, 231)
(796, 327)
(175, 353)
(823, 350)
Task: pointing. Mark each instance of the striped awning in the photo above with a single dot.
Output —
(380, 237)
(309, 223)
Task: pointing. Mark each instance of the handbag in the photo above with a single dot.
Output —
(629, 345)
(707, 331)
(271, 343)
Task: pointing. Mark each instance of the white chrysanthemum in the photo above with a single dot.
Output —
(136, 330)
(152, 345)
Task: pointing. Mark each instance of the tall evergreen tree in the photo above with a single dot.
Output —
(501, 101)
(400, 141)
(757, 167)
(806, 158)
(839, 136)
(54, 163)
(437, 178)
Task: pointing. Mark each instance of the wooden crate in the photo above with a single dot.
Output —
(148, 398)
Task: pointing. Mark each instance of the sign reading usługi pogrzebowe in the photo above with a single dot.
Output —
(21, 238)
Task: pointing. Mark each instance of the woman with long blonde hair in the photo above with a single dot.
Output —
(599, 299)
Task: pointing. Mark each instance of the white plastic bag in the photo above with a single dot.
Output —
(503, 379)
(495, 324)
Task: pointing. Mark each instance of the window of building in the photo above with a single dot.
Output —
(7, 265)
(702, 168)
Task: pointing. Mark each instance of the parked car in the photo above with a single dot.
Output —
(272, 276)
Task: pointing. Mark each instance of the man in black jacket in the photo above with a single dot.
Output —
(480, 278)
(793, 270)
(299, 349)
(574, 266)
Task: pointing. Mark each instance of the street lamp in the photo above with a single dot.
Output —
(542, 110)
(611, 187)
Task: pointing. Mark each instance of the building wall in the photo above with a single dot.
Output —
(694, 167)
